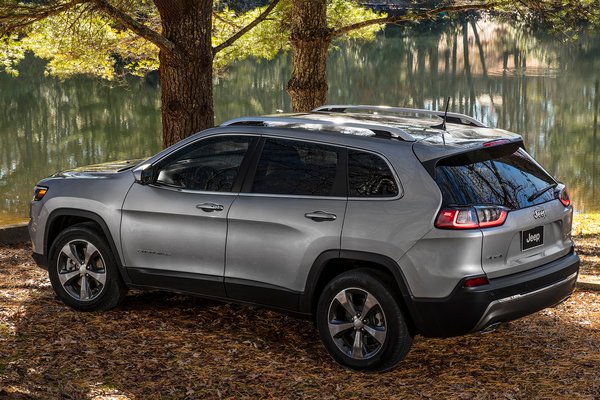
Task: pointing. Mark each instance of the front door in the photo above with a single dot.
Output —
(174, 230)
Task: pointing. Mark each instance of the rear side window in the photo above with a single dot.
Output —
(298, 168)
(507, 180)
(369, 176)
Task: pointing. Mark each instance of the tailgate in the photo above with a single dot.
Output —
(530, 237)
(504, 178)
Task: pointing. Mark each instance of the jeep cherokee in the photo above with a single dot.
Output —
(380, 223)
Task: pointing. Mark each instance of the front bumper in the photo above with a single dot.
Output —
(503, 299)
(40, 260)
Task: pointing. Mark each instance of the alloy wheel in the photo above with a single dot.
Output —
(357, 323)
(81, 270)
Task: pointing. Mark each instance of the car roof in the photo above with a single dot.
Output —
(398, 124)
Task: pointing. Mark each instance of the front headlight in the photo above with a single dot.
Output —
(39, 192)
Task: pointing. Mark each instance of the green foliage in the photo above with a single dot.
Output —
(265, 40)
(341, 13)
(270, 37)
(82, 41)
(11, 53)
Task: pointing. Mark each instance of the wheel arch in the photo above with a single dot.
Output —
(334, 262)
(62, 218)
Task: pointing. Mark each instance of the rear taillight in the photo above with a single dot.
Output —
(563, 196)
(470, 218)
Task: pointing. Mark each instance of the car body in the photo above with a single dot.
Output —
(454, 222)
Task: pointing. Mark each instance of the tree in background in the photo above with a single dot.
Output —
(187, 39)
(313, 30)
(99, 37)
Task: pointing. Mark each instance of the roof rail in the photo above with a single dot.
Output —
(377, 130)
(454, 118)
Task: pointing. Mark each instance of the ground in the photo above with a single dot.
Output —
(166, 346)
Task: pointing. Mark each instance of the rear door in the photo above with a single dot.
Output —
(537, 227)
(291, 210)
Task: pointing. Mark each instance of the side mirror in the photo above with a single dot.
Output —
(144, 175)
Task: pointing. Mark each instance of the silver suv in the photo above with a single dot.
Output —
(380, 223)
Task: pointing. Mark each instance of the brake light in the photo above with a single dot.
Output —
(564, 198)
(479, 281)
(470, 218)
(496, 142)
(457, 219)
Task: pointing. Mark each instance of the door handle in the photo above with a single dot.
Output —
(209, 207)
(321, 216)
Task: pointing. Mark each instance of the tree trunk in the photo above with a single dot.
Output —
(310, 39)
(186, 73)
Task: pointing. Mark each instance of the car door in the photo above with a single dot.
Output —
(290, 211)
(173, 230)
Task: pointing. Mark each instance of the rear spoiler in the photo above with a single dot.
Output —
(469, 154)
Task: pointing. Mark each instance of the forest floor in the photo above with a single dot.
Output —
(167, 346)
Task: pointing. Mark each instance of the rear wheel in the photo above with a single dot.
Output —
(361, 322)
(83, 271)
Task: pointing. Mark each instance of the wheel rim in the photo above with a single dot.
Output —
(357, 323)
(81, 270)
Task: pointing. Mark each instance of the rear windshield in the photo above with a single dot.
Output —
(493, 176)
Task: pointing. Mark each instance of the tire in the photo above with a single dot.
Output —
(83, 271)
(384, 338)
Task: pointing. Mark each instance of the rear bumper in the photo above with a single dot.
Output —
(503, 299)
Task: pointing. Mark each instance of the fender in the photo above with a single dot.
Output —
(73, 212)
(306, 302)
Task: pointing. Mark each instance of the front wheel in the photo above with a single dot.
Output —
(361, 322)
(83, 271)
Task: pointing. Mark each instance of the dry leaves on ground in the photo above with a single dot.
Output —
(166, 346)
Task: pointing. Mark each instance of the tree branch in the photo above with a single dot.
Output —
(18, 16)
(133, 25)
(247, 28)
(411, 17)
(230, 23)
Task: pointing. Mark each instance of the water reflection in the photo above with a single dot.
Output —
(522, 81)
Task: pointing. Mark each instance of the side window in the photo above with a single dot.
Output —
(208, 165)
(298, 168)
(369, 176)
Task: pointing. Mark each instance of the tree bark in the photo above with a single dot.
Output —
(310, 39)
(186, 72)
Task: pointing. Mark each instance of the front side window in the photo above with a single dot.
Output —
(298, 168)
(210, 165)
(369, 176)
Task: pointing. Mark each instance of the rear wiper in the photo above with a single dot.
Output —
(541, 191)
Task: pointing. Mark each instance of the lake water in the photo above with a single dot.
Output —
(524, 81)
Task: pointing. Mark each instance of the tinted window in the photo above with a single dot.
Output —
(369, 176)
(297, 168)
(207, 165)
(507, 180)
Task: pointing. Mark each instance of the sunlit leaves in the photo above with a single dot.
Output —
(11, 52)
(341, 13)
(83, 41)
(264, 41)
